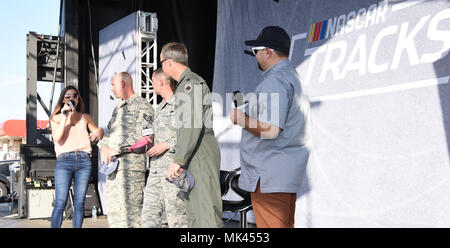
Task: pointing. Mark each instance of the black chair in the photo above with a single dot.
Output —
(230, 179)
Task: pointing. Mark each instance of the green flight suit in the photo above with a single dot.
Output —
(197, 150)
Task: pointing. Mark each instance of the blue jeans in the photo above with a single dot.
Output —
(76, 165)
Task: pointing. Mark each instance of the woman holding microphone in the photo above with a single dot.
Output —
(72, 140)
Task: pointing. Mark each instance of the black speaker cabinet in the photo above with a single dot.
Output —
(92, 199)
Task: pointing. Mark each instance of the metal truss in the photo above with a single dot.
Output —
(147, 55)
(43, 64)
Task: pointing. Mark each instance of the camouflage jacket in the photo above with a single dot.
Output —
(165, 132)
(125, 128)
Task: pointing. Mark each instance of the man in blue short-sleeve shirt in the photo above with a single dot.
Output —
(275, 136)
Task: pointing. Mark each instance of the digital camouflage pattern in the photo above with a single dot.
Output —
(125, 186)
(124, 198)
(159, 194)
(125, 128)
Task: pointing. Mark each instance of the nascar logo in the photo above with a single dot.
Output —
(374, 14)
(336, 59)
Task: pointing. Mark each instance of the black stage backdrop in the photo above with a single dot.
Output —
(190, 22)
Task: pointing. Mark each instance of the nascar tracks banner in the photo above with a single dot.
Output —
(377, 77)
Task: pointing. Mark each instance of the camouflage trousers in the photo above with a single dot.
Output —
(160, 196)
(124, 197)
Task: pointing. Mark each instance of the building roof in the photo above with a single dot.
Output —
(17, 128)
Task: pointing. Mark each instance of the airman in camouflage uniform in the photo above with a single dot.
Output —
(125, 186)
(159, 194)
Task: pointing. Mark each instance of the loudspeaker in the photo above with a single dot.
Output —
(92, 199)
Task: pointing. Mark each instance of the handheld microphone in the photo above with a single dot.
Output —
(238, 101)
(71, 105)
(238, 98)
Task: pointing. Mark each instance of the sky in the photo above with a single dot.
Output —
(19, 17)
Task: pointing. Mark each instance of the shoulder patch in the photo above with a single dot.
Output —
(148, 118)
(188, 88)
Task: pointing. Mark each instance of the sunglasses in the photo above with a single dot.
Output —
(68, 96)
(256, 49)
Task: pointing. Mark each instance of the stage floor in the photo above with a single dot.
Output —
(9, 220)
